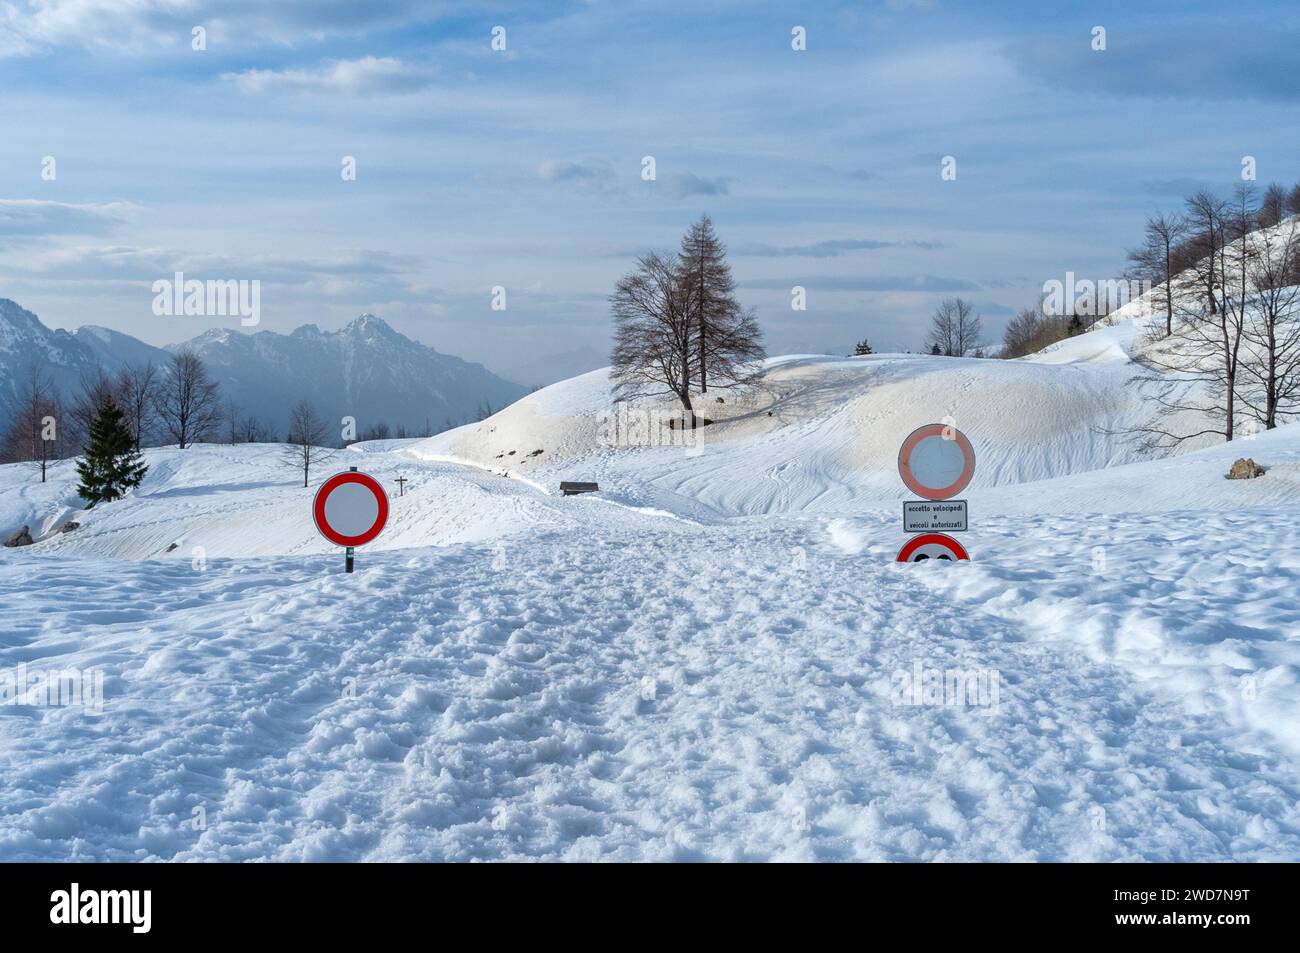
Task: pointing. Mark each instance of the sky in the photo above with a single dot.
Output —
(522, 168)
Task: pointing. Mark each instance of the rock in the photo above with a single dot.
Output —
(21, 538)
(173, 546)
(1244, 469)
(69, 526)
(535, 453)
(721, 401)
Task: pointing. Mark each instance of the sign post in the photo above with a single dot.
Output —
(350, 509)
(936, 462)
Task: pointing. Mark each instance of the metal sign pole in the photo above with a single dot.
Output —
(347, 559)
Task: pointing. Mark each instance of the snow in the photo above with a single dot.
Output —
(700, 662)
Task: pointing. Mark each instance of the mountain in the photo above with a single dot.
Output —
(365, 370)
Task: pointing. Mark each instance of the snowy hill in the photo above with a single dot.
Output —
(714, 657)
(365, 370)
(513, 674)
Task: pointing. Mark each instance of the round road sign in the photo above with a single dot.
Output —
(936, 462)
(350, 508)
(931, 546)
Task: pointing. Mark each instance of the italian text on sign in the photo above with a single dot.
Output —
(934, 516)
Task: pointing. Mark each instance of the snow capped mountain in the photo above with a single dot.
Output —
(364, 370)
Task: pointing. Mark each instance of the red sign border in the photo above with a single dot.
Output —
(924, 539)
(905, 469)
(332, 484)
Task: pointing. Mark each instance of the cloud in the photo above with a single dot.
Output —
(597, 173)
(30, 27)
(922, 283)
(682, 184)
(368, 76)
(827, 249)
(1211, 62)
(36, 218)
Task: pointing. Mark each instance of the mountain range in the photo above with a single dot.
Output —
(364, 370)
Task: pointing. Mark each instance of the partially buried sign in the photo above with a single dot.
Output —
(933, 516)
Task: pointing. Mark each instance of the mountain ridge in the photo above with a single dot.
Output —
(366, 369)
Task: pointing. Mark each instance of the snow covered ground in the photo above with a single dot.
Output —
(713, 658)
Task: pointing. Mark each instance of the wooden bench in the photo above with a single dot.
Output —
(569, 488)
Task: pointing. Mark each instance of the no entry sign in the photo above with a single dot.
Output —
(350, 508)
(931, 546)
(936, 461)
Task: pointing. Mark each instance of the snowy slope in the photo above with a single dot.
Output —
(513, 674)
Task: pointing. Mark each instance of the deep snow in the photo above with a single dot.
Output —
(703, 661)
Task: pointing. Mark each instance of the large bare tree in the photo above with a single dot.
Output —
(728, 340)
(306, 434)
(955, 328)
(654, 333)
(187, 401)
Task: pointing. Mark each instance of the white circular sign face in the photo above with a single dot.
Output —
(351, 509)
(936, 461)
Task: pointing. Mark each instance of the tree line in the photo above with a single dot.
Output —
(113, 417)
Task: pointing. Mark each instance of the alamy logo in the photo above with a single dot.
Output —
(178, 296)
(1088, 298)
(103, 906)
(965, 688)
(53, 688)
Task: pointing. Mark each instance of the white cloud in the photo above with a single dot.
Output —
(368, 76)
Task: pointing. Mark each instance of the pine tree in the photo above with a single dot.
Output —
(862, 348)
(110, 465)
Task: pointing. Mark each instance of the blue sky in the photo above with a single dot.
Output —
(522, 168)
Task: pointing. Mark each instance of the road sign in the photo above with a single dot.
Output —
(932, 516)
(350, 509)
(931, 546)
(936, 461)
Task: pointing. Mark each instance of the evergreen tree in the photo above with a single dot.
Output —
(862, 348)
(110, 464)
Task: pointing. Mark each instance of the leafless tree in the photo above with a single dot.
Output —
(1270, 369)
(1155, 259)
(252, 430)
(95, 388)
(1195, 374)
(654, 335)
(137, 387)
(955, 328)
(1272, 207)
(306, 434)
(33, 433)
(187, 401)
(1293, 200)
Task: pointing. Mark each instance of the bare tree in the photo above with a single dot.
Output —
(1195, 373)
(137, 387)
(187, 400)
(96, 387)
(252, 430)
(1155, 259)
(33, 433)
(1272, 207)
(1271, 367)
(230, 421)
(1293, 200)
(306, 434)
(955, 328)
(654, 335)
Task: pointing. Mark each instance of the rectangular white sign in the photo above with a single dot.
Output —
(934, 516)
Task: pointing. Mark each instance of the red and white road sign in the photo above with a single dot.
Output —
(936, 461)
(350, 508)
(931, 546)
